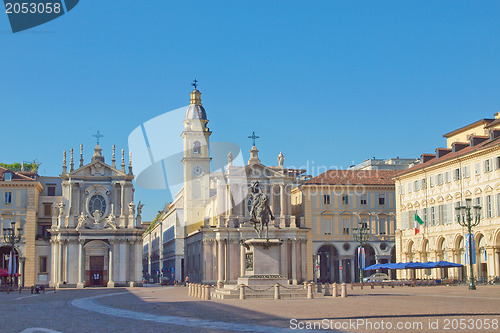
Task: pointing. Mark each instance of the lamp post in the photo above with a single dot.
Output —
(360, 235)
(466, 220)
(11, 237)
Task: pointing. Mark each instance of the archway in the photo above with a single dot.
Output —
(4, 263)
(327, 264)
(410, 273)
(460, 257)
(369, 260)
(481, 259)
(442, 255)
(96, 263)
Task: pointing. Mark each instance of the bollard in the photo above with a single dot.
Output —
(310, 290)
(242, 291)
(371, 285)
(189, 288)
(361, 285)
(199, 290)
(203, 292)
(335, 292)
(207, 293)
(392, 285)
(196, 290)
(327, 290)
(343, 290)
(277, 291)
(19, 289)
(305, 285)
(382, 284)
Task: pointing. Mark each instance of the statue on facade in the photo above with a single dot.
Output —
(81, 221)
(131, 208)
(97, 216)
(60, 206)
(229, 159)
(281, 159)
(139, 212)
(55, 210)
(110, 221)
(260, 212)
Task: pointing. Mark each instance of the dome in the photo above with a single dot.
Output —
(196, 111)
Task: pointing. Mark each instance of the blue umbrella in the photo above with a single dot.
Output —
(446, 264)
(372, 267)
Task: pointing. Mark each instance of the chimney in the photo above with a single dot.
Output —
(424, 158)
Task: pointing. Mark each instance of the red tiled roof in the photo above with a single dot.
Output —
(483, 145)
(354, 177)
(17, 176)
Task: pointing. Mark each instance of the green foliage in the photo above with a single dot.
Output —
(30, 167)
(155, 221)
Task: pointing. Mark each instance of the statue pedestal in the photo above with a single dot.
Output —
(262, 262)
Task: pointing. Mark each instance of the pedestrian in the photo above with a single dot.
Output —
(187, 280)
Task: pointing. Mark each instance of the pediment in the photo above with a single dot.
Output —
(449, 197)
(458, 195)
(467, 193)
(96, 169)
(488, 188)
(410, 206)
(440, 199)
(327, 213)
(432, 201)
(477, 191)
(416, 204)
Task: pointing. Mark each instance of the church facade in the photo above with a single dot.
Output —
(215, 208)
(95, 232)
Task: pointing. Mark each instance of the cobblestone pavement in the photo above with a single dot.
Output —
(169, 309)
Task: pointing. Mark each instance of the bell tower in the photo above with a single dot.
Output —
(196, 161)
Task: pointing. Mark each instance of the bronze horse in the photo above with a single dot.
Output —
(260, 213)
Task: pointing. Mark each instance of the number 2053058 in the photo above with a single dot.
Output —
(33, 8)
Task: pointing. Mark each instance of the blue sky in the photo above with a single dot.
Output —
(328, 82)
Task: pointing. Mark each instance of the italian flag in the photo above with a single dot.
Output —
(418, 222)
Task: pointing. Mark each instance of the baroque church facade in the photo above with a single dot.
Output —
(215, 214)
(95, 232)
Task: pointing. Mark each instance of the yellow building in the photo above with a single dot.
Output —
(468, 168)
(332, 205)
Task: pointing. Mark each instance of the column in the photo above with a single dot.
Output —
(220, 261)
(226, 260)
(242, 260)
(303, 256)
(111, 283)
(138, 261)
(53, 271)
(353, 271)
(242, 200)
(284, 259)
(282, 200)
(61, 262)
(81, 263)
(497, 262)
(123, 261)
(206, 263)
(122, 201)
(288, 196)
(294, 259)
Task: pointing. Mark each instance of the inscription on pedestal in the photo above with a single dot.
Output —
(249, 261)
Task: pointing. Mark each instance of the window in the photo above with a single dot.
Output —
(364, 223)
(402, 189)
(498, 204)
(381, 199)
(487, 165)
(415, 185)
(47, 209)
(97, 202)
(196, 147)
(43, 264)
(346, 226)
(447, 177)
(497, 162)
(466, 171)
(433, 215)
(382, 227)
(431, 181)
(456, 174)
(409, 187)
(345, 199)
(479, 202)
(8, 198)
(328, 226)
(439, 180)
(8, 176)
(363, 200)
(51, 190)
(424, 214)
(326, 199)
(423, 184)
(489, 206)
(477, 169)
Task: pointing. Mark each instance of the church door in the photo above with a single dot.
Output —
(96, 271)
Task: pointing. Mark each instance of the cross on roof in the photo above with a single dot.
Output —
(195, 83)
(98, 135)
(253, 137)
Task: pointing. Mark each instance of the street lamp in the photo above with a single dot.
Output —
(360, 235)
(465, 219)
(11, 237)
